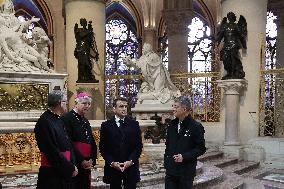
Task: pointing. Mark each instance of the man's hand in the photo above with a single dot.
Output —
(126, 165)
(75, 172)
(87, 164)
(178, 158)
(116, 165)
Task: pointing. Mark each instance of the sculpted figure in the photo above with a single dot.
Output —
(234, 36)
(16, 52)
(84, 51)
(157, 84)
(41, 42)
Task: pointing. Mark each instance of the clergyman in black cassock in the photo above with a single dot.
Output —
(57, 168)
(84, 144)
(121, 146)
(184, 143)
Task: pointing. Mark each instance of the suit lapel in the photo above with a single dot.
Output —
(114, 126)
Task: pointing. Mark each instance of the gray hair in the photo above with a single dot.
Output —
(80, 99)
(184, 101)
(54, 98)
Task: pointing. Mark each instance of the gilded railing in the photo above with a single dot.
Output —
(201, 87)
(19, 151)
(204, 92)
(271, 109)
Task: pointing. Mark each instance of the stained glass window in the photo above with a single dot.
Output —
(268, 80)
(121, 41)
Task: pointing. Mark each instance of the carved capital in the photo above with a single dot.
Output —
(232, 86)
(177, 21)
(102, 1)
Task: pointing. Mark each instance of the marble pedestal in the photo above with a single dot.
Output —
(154, 152)
(233, 88)
(149, 108)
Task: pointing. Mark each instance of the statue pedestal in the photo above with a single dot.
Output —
(232, 91)
(89, 88)
(149, 108)
(154, 152)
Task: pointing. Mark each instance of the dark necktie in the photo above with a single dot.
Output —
(121, 123)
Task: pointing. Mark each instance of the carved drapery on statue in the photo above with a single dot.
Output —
(17, 52)
(85, 51)
(157, 84)
(234, 35)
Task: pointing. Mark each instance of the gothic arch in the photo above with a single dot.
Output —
(132, 9)
(40, 10)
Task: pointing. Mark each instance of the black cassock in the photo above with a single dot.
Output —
(56, 153)
(80, 132)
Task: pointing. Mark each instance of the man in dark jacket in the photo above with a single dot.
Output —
(184, 143)
(121, 146)
(84, 144)
(57, 169)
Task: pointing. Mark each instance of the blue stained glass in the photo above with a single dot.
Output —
(121, 41)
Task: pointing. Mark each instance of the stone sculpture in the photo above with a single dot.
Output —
(17, 52)
(234, 35)
(86, 49)
(157, 84)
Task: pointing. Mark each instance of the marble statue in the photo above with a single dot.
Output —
(234, 35)
(17, 52)
(157, 84)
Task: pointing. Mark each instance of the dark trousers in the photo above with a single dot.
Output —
(178, 182)
(122, 179)
(83, 179)
(48, 178)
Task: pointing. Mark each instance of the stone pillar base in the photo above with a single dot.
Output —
(252, 153)
(231, 151)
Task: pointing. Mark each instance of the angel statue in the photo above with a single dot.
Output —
(234, 35)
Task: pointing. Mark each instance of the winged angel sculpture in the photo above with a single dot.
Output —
(234, 36)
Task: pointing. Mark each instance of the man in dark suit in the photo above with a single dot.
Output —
(121, 146)
(184, 143)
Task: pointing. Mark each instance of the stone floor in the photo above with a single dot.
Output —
(218, 172)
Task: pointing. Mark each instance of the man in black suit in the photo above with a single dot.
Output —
(184, 143)
(121, 146)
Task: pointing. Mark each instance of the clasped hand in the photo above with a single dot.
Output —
(87, 164)
(178, 158)
(122, 166)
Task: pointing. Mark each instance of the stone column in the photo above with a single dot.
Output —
(254, 12)
(178, 16)
(91, 10)
(150, 37)
(232, 90)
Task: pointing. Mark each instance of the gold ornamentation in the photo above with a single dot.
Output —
(23, 97)
(271, 120)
